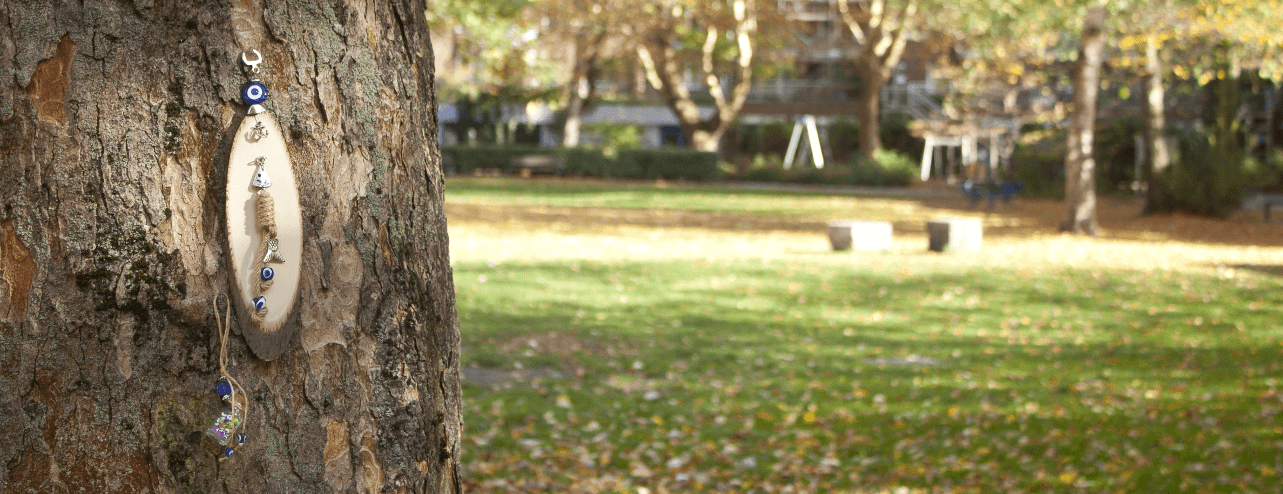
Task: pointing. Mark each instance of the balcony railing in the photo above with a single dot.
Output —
(915, 98)
(800, 91)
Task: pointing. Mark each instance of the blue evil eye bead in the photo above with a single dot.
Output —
(228, 452)
(223, 389)
(254, 93)
(266, 274)
(260, 302)
(240, 438)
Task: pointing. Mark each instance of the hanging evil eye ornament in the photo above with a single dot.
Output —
(264, 221)
(254, 93)
(223, 388)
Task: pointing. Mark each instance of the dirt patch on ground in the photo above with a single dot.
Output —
(560, 345)
(1119, 219)
(1023, 236)
(572, 219)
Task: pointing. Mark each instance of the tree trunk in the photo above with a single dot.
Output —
(1225, 184)
(666, 75)
(581, 88)
(665, 72)
(1080, 165)
(881, 33)
(1157, 159)
(868, 109)
(574, 116)
(115, 127)
(702, 140)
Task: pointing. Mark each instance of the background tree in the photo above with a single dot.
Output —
(881, 29)
(1215, 43)
(116, 123)
(584, 27)
(483, 45)
(669, 26)
(490, 58)
(1080, 164)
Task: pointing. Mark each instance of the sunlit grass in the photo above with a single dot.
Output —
(687, 360)
(659, 195)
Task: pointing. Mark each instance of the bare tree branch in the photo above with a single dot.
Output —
(851, 22)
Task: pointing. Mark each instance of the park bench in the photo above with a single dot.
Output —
(1268, 204)
(538, 163)
(975, 191)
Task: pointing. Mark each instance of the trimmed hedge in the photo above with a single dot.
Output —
(631, 163)
(469, 158)
(585, 161)
(888, 169)
(669, 163)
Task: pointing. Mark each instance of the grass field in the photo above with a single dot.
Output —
(634, 338)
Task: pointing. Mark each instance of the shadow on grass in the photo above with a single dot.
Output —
(1120, 379)
(1130, 322)
(1266, 269)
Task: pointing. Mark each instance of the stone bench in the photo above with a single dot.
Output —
(954, 234)
(860, 235)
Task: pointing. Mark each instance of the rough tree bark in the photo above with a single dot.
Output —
(115, 124)
(1157, 159)
(1080, 165)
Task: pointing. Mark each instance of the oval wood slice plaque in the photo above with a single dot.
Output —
(270, 337)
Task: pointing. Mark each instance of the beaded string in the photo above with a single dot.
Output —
(239, 396)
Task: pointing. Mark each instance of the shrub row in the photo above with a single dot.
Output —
(888, 168)
(669, 163)
(631, 163)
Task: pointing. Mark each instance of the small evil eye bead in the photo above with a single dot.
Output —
(228, 452)
(266, 274)
(260, 302)
(254, 93)
(240, 438)
(223, 389)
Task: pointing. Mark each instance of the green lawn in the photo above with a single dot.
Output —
(823, 375)
(643, 195)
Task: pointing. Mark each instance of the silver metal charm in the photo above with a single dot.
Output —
(273, 255)
(261, 180)
(258, 132)
(253, 64)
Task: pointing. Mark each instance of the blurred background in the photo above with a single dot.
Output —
(638, 209)
(988, 84)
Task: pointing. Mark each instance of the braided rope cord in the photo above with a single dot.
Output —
(266, 214)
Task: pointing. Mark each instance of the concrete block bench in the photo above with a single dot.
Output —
(954, 234)
(860, 235)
